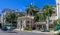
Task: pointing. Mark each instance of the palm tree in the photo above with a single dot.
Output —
(48, 10)
(30, 9)
(20, 15)
(36, 18)
(11, 18)
(41, 16)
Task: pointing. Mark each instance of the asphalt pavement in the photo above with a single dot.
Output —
(21, 33)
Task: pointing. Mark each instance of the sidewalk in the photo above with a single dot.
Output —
(34, 31)
(51, 32)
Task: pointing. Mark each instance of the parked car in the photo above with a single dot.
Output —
(4, 28)
(7, 27)
(42, 30)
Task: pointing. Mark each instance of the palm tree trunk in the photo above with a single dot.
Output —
(47, 21)
(39, 18)
(28, 13)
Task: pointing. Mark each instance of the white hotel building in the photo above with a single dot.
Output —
(57, 11)
(58, 8)
(53, 17)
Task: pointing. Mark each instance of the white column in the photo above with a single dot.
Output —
(18, 24)
(24, 23)
(42, 25)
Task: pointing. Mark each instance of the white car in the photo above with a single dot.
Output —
(8, 27)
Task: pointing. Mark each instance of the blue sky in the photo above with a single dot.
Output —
(21, 4)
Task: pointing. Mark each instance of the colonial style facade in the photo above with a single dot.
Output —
(29, 20)
(25, 21)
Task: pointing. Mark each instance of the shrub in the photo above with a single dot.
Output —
(55, 22)
(58, 33)
(26, 28)
(47, 30)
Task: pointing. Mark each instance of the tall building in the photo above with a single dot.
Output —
(58, 8)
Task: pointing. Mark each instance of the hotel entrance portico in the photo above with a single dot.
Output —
(40, 25)
(25, 21)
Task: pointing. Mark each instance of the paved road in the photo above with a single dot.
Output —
(21, 33)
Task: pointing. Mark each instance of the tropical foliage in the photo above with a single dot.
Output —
(41, 16)
(48, 10)
(12, 18)
(30, 10)
(55, 22)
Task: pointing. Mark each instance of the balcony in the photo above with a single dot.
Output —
(53, 18)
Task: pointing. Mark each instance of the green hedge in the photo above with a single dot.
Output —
(26, 28)
(47, 30)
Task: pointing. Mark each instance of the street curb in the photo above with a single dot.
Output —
(37, 32)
